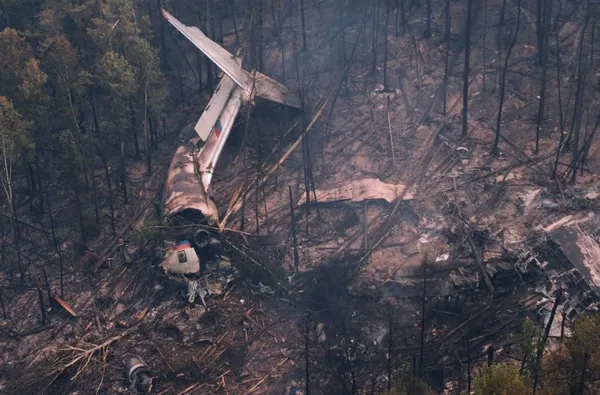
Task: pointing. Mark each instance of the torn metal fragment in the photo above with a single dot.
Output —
(364, 189)
(582, 251)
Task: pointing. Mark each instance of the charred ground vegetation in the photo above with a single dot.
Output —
(485, 110)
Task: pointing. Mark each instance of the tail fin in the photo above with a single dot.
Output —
(254, 84)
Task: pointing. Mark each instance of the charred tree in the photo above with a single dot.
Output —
(94, 192)
(501, 21)
(110, 193)
(503, 80)
(134, 131)
(199, 60)
(390, 345)
(343, 41)
(542, 344)
(306, 355)
(465, 112)
(294, 235)
(4, 314)
(427, 32)
(540, 31)
(402, 15)
(485, 21)
(423, 304)
(544, 62)
(447, 54)
(375, 36)
(163, 40)
(560, 103)
(57, 247)
(17, 237)
(303, 25)
(231, 4)
(41, 302)
(209, 65)
(277, 23)
(260, 43)
(385, 46)
(579, 103)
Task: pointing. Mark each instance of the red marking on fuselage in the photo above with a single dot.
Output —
(218, 128)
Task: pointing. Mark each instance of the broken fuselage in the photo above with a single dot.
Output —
(189, 206)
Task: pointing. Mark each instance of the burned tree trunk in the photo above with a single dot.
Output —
(485, 21)
(402, 15)
(57, 247)
(2, 306)
(544, 62)
(306, 355)
(209, 65)
(578, 110)
(294, 235)
(199, 61)
(303, 25)
(385, 47)
(163, 40)
(465, 112)
(279, 32)
(447, 54)
(560, 104)
(231, 4)
(343, 41)
(423, 304)
(427, 32)
(390, 350)
(41, 302)
(542, 345)
(110, 194)
(375, 36)
(503, 80)
(134, 132)
(17, 237)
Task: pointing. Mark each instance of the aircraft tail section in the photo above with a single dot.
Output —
(254, 84)
(223, 59)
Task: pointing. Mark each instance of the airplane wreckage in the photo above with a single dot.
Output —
(188, 201)
(187, 193)
(188, 198)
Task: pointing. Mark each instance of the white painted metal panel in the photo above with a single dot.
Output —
(211, 151)
(215, 107)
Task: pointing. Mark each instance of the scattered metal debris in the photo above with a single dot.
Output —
(139, 375)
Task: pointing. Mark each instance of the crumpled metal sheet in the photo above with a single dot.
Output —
(581, 250)
(184, 189)
(364, 189)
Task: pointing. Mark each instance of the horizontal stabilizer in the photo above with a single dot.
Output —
(269, 89)
(254, 84)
